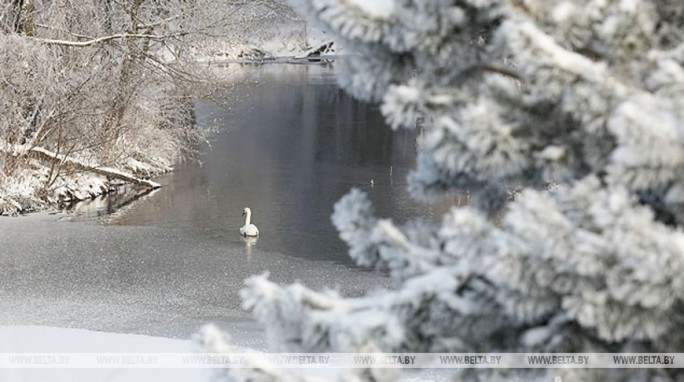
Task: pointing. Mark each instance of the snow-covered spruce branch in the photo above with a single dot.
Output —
(215, 341)
(300, 319)
(379, 244)
(102, 39)
(564, 257)
(596, 104)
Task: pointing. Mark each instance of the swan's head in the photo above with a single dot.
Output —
(246, 211)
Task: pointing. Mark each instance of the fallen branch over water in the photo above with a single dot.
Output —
(49, 156)
(317, 50)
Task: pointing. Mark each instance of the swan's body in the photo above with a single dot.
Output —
(249, 229)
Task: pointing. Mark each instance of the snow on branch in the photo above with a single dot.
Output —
(572, 254)
(564, 59)
(50, 156)
(102, 39)
(512, 97)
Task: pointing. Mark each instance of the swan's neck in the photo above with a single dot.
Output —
(248, 217)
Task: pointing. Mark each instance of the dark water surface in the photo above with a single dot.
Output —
(289, 145)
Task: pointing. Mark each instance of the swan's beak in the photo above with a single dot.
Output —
(243, 213)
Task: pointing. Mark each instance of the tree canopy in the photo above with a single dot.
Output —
(93, 84)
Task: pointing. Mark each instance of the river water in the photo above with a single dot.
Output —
(288, 144)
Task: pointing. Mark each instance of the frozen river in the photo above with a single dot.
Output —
(289, 144)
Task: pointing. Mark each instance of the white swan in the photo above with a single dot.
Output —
(249, 229)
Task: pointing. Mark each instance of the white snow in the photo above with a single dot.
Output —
(77, 162)
(563, 11)
(629, 6)
(562, 58)
(37, 339)
(552, 153)
(379, 9)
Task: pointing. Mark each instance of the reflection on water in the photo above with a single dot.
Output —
(290, 144)
(116, 202)
(249, 243)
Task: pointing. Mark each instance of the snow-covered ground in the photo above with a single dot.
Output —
(65, 342)
(284, 39)
(37, 339)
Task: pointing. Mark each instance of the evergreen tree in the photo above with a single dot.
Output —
(565, 119)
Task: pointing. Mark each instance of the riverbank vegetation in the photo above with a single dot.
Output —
(96, 93)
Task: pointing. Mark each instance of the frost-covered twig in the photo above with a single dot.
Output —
(102, 39)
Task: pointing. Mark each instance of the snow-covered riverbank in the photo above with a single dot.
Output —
(125, 105)
(33, 186)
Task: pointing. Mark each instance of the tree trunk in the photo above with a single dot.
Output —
(23, 20)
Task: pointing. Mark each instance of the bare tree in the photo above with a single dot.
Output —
(102, 83)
